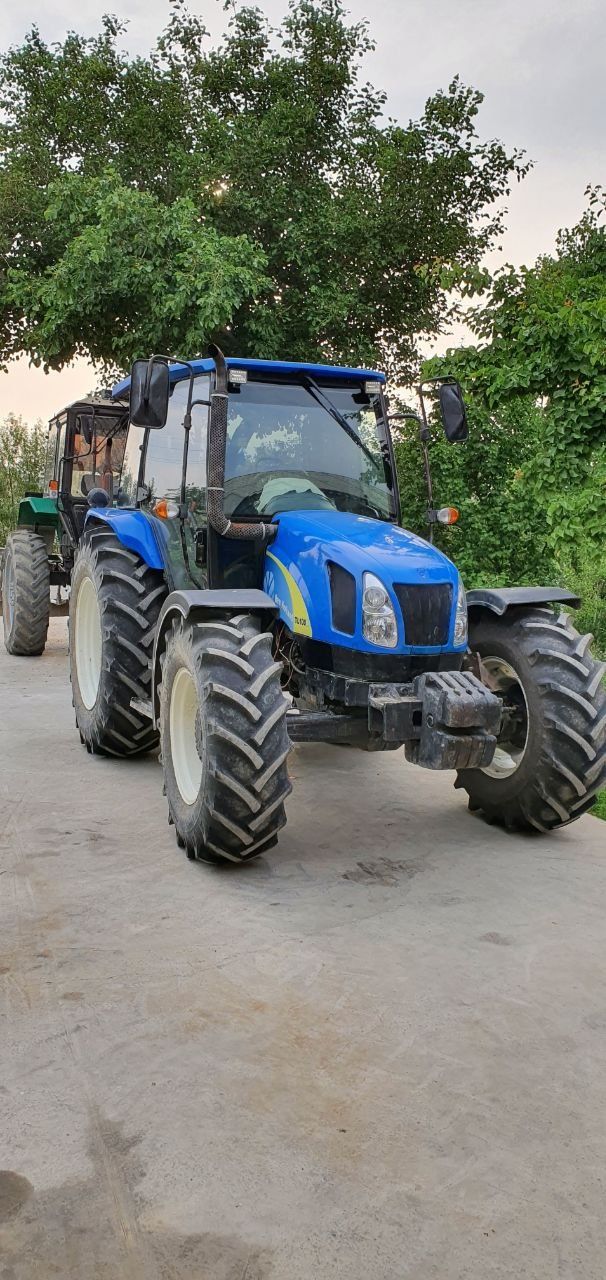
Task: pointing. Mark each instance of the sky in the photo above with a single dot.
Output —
(539, 64)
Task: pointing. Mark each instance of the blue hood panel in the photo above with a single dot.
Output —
(296, 572)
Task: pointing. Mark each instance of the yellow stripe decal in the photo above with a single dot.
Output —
(300, 616)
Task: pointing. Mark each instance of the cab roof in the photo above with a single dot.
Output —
(322, 372)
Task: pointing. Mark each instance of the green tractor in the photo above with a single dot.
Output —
(240, 580)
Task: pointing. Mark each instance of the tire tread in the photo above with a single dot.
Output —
(245, 736)
(27, 636)
(130, 602)
(570, 763)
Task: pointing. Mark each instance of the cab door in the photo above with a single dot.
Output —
(184, 530)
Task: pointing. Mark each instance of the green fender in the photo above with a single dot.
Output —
(36, 512)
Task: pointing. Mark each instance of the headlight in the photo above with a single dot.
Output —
(460, 626)
(379, 624)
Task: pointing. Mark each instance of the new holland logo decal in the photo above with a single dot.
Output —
(280, 584)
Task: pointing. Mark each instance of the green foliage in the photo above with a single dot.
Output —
(252, 193)
(582, 565)
(171, 276)
(538, 376)
(542, 334)
(499, 539)
(502, 537)
(599, 809)
(22, 454)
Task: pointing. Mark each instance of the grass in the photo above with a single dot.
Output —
(599, 808)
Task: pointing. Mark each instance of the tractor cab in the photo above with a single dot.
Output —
(298, 437)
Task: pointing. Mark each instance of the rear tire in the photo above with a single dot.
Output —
(555, 739)
(25, 594)
(115, 600)
(224, 739)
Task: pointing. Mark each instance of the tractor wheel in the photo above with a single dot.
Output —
(25, 593)
(550, 760)
(115, 600)
(224, 739)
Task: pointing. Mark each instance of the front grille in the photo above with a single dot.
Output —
(426, 612)
(343, 599)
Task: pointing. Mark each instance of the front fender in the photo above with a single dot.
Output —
(200, 605)
(135, 530)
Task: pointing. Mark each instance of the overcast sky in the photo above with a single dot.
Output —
(539, 64)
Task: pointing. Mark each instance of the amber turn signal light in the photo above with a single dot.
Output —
(447, 515)
(165, 510)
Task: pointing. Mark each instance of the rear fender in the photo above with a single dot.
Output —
(199, 606)
(136, 530)
(38, 513)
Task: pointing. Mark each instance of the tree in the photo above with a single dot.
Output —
(542, 336)
(22, 455)
(251, 193)
(498, 539)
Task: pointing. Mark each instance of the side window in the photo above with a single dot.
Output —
(53, 453)
(195, 490)
(97, 456)
(164, 457)
(127, 494)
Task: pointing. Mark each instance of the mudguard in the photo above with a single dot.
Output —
(503, 598)
(199, 605)
(38, 512)
(135, 530)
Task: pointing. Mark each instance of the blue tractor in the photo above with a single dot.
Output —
(240, 580)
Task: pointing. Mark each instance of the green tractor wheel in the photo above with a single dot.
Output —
(25, 593)
(550, 760)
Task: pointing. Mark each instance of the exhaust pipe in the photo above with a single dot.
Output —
(215, 466)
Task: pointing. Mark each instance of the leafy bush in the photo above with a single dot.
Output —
(501, 538)
(22, 454)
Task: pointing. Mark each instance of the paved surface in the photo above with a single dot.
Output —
(376, 1053)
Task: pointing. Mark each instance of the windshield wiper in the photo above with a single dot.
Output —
(318, 395)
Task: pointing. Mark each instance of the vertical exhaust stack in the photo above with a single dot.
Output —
(217, 443)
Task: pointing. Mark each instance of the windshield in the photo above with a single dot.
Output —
(287, 449)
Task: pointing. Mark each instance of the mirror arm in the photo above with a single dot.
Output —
(424, 437)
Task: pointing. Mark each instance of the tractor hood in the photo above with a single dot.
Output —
(314, 570)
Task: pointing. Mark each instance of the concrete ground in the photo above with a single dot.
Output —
(377, 1052)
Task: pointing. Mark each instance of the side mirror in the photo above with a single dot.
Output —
(452, 412)
(149, 390)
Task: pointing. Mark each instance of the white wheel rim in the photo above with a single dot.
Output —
(500, 678)
(187, 764)
(88, 642)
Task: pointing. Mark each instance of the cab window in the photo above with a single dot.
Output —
(97, 456)
(164, 455)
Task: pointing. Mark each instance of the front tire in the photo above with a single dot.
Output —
(223, 738)
(25, 594)
(115, 600)
(550, 761)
